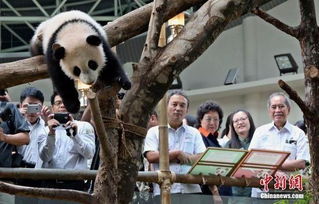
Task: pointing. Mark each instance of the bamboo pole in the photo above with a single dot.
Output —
(165, 175)
(99, 126)
(150, 176)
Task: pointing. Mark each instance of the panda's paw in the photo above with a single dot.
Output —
(125, 84)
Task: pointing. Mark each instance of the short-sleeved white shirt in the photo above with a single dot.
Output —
(290, 138)
(185, 138)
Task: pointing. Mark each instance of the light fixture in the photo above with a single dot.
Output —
(231, 77)
(176, 24)
(177, 83)
(286, 63)
(83, 88)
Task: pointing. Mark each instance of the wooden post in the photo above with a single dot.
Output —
(165, 175)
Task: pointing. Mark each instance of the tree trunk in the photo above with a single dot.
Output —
(106, 182)
(153, 76)
(309, 43)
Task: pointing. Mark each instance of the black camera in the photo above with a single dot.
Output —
(2, 92)
(62, 118)
(5, 114)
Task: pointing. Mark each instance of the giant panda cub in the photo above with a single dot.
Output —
(75, 47)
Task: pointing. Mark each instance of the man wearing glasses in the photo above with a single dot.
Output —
(280, 135)
(69, 144)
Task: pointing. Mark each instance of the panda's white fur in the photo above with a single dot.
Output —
(75, 47)
(74, 42)
(46, 29)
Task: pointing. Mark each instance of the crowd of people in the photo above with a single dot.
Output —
(51, 138)
(186, 142)
(44, 138)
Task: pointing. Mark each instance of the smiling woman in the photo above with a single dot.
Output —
(242, 131)
(209, 119)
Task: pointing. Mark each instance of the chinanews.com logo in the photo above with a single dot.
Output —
(294, 183)
(282, 195)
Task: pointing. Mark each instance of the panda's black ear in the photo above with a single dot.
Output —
(93, 40)
(58, 51)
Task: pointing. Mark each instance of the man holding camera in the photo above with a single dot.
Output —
(31, 107)
(14, 131)
(69, 144)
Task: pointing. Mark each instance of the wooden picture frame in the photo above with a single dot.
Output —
(238, 162)
(258, 162)
(218, 161)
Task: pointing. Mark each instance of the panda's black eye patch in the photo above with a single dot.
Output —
(92, 65)
(76, 71)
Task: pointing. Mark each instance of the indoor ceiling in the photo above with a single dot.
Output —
(19, 18)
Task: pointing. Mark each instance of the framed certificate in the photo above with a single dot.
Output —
(266, 157)
(252, 171)
(218, 161)
(238, 163)
(259, 162)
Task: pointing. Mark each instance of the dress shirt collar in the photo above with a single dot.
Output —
(287, 127)
(182, 127)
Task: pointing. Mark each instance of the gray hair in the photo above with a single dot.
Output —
(287, 100)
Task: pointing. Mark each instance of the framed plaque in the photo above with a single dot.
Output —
(259, 162)
(238, 163)
(218, 161)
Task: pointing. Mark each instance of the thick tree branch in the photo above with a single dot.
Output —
(295, 97)
(125, 28)
(308, 13)
(22, 71)
(277, 23)
(202, 29)
(154, 29)
(69, 195)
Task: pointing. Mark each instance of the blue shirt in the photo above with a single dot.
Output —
(15, 124)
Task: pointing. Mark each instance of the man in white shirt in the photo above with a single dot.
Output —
(280, 135)
(183, 140)
(67, 146)
(31, 107)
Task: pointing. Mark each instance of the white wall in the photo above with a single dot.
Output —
(250, 47)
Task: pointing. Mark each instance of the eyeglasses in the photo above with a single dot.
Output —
(215, 120)
(58, 103)
(240, 119)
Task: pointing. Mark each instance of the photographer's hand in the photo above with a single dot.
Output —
(23, 110)
(45, 112)
(52, 124)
